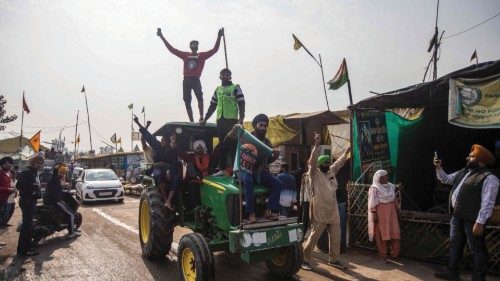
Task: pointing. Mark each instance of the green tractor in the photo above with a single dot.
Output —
(211, 209)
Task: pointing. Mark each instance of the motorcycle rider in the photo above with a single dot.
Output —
(54, 197)
(28, 185)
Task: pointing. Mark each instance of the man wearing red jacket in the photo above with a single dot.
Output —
(5, 188)
(193, 66)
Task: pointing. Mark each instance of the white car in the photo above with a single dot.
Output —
(99, 185)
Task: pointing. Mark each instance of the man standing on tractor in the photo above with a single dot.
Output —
(229, 101)
(193, 66)
(165, 163)
(253, 168)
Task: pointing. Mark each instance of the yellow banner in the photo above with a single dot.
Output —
(277, 132)
(475, 103)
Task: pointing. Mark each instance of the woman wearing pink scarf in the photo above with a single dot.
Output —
(383, 222)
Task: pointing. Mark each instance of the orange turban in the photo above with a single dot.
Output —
(482, 154)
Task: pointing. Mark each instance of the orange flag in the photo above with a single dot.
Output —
(35, 141)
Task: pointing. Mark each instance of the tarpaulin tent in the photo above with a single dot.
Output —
(382, 120)
(412, 142)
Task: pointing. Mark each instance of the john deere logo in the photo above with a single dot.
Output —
(469, 96)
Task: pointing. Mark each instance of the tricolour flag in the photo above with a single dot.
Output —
(474, 56)
(340, 78)
(35, 141)
(25, 105)
(130, 106)
(113, 138)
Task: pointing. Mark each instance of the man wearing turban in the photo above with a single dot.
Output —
(323, 207)
(254, 167)
(472, 198)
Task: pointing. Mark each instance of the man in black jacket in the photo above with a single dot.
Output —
(28, 185)
(54, 197)
(165, 163)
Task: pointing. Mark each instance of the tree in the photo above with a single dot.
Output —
(4, 119)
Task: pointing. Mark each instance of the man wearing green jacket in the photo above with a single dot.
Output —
(229, 102)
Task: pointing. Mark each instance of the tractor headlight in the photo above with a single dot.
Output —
(246, 240)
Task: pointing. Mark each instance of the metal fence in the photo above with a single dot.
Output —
(424, 236)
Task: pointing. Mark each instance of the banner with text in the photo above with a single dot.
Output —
(475, 103)
(373, 141)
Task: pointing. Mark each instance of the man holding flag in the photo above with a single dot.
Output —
(254, 167)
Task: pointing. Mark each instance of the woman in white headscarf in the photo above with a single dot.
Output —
(383, 221)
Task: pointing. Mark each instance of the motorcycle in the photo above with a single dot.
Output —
(49, 219)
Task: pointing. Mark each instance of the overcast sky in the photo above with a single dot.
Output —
(49, 49)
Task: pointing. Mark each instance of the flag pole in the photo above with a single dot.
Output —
(22, 123)
(348, 83)
(88, 118)
(132, 131)
(76, 129)
(324, 87)
(144, 115)
(225, 48)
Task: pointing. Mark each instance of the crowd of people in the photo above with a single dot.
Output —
(322, 202)
(472, 197)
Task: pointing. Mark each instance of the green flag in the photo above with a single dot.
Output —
(340, 78)
(130, 106)
(113, 138)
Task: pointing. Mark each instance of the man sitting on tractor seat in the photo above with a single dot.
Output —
(199, 165)
(254, 167)
(165, 168)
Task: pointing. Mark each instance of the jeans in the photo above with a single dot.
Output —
(227, 145)
(268, 180)
(3, 211)
(343, 218)
(460, 233)
(8, 212)
(28, 208)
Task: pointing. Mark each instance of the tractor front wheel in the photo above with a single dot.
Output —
(195, 259)
(156, 224)
(287, 261)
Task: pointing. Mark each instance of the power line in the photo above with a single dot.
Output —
(498, 14)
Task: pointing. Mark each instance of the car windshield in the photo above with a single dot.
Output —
(101, 176)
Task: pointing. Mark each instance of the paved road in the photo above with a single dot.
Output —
(109, 250)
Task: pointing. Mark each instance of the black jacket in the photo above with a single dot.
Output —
(28, 185)
(53, 193)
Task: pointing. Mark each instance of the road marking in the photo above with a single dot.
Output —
(175, 245)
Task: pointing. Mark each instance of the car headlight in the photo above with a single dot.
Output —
(118, 186)
(88, 186)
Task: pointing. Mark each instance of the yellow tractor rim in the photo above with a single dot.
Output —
(144, 221)
(280, 258)
(188, 265)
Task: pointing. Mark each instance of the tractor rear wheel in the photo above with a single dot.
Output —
(195, 259)
(287, 261)
(156, 224)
